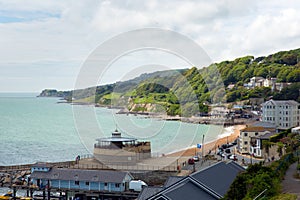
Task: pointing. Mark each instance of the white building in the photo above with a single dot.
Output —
(245, 141)
(284, 114)
(296, 130)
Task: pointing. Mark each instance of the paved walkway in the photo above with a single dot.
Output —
(290, 184)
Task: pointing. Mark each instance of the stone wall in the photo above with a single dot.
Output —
(153, 177)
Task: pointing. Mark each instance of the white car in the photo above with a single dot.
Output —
(196, 158)
(233, 157)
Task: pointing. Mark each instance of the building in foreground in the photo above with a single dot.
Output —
(284, 114)
(210, 184)
(79, 179)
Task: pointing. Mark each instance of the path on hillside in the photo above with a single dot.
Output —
(290, 184)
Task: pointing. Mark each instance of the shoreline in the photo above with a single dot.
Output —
(192, 119)
(188, 152)
(210, 145)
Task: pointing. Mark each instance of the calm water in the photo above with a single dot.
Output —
(40, 129)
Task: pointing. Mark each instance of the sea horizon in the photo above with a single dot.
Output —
(40, 129)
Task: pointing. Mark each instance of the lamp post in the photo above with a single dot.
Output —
(203, 146)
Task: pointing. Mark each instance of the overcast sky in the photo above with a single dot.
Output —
(43, 44)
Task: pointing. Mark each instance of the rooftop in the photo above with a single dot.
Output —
(116, 137)
(281, 102)
(257, 129)
(264, 124)
(209, 183)
(267, 135)
(81, 175)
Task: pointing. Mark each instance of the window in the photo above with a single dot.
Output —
(105, 184)
(76, 182)
(256, 133)
(117, 185)
(87, 183)
(246, 142)
(245, 134)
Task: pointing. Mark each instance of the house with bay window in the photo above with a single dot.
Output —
(247, 135)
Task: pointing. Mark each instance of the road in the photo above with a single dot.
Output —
(290, 184)
(202, 164)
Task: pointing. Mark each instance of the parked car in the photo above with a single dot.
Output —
(228, 155)
(196, 158)
(227, 151)
(191, 161)
(223, 155)
(220, 153)
(233, 157)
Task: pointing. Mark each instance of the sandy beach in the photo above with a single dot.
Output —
(211, 145)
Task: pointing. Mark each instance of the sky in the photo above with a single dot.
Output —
(44, 44)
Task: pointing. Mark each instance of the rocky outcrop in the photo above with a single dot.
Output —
(14, 178)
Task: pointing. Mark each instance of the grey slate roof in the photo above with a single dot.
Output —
(172, 179)
(236, 166)
(81, 175)
(267, 135)
(188, 190)
(282, 102)
(148, 192)
(218, 177)
(210, 183)
(264, 124)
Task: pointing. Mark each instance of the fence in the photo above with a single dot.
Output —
(65, 164)
(125, 167)
(95, 165)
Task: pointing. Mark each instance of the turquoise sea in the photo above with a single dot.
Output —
(40, 129)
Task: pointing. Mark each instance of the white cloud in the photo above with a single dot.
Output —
(57, 34)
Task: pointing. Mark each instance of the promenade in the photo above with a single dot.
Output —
(290, 184)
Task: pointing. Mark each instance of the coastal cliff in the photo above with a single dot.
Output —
(189, 92)
(55, 93)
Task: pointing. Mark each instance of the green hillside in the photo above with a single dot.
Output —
(188, 91)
